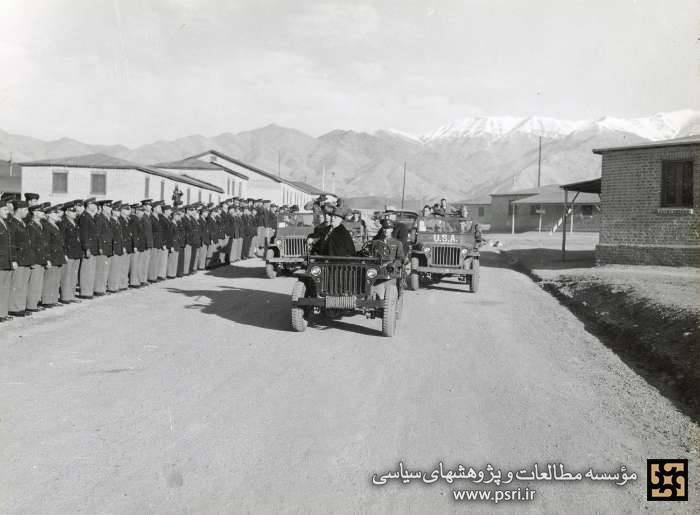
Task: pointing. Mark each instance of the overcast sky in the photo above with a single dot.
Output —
(137, 71)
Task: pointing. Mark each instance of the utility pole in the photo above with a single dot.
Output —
(403, 190)
(539, 166)
(323, 179)
(333, 182)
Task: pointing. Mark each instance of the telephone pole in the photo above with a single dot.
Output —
(403, 189)
(539, 165)
(323, 179)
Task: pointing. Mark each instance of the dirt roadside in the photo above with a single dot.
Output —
(648, 316)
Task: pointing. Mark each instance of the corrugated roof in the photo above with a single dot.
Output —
(687, 140)
(204, 184)
(557, 197)
(240, 163)
(528, 191)
(115, 163)
(192, 163)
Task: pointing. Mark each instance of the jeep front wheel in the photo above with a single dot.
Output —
(415, 276)
(299, 322)
(270, 270)
(474, 283)
(389, 310)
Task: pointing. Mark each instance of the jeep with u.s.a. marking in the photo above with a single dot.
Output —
(445, 246)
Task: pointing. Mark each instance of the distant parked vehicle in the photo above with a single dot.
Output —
(287, 250)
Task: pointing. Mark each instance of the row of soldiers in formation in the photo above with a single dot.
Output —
(47, 252)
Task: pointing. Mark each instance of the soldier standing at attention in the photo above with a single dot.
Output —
(105, 249)
(139, 244)
(147, 224)
(206, 238)
(73, 251)
(88, 239)
(116, 261)
(38, 252)
(127, 239)
(21, 255)
(56, 258)
(171, 240)
(154, 263)
(166, 240)
(186, 254)
(6, 262)
(195, 236)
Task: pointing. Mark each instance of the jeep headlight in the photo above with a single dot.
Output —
(465, 252)
(315, 271)
(426, 250)
(371, 273)
(279, 242)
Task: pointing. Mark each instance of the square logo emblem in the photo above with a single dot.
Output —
(667, 480)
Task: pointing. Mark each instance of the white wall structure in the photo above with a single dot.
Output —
(232, 183)
(260, 184)
(62, 179)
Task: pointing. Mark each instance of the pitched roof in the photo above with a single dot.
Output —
(109, 162)
(307, 188)
(589, 186)
(203, 184)
(557, 197)
(528, 191)
(192, 163)
(687, 140)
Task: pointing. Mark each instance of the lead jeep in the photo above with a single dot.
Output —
(333, 287)
(287, 249)
(445, 246)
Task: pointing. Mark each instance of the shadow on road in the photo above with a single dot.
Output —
(265, 309)
(550, 259)
(235, 271)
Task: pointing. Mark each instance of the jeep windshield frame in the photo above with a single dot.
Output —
(444, 225)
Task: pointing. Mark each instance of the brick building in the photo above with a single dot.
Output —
(649, 202)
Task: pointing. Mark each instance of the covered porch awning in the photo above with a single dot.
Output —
(589, 186)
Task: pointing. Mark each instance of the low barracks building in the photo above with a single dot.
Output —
(105, 177)
(649, 203)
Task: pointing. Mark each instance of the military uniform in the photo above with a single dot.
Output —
(53, 234)
(147, 230)
(127, 238)
(105, 250)
(89, 232)
(5, 266)
(157, 246)
(138, 242)
(20, 252)
(73, 251)
(116, 267)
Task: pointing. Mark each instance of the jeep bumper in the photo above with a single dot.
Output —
(344, 302)
(442, 270)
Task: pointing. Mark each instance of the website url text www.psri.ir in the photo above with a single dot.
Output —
(494, 496)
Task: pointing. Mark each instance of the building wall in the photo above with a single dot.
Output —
(634, 228)
(125, 185)
(499, 218)
(525, 220)
(261, 186)
(473, 210)
(221, 178)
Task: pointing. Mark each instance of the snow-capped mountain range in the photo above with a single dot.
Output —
(657, 127)
(462, 160)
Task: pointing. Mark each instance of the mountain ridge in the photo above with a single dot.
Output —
(465, 158)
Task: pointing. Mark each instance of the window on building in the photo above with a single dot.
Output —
(240, 189)
(162, 190)
(146, 187)
(677, 184)
(587, 209)
(210, 198)
(228, 185)
(59, 182)
(199, 196)
(188, 195)
(511, 206)
(534, 209)
(98, 184)
(481, 211)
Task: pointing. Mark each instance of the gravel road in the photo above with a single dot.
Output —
(193, 396)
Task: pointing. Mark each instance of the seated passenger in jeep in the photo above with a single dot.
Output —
(385, 236)
(336, 240)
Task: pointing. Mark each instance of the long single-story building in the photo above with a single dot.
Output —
(541, 208)
(230, 181)
(101, 176)
(259, 183)
(479, 209)
(649, 200)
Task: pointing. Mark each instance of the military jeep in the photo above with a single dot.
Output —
(445, 246)
(287, 249)
(370, 283)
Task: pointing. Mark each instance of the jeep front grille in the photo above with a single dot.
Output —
(294, 246)
(343, 279)
(446, 256)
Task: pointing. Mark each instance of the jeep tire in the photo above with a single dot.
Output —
(299, 322)
(414, 278)
(474, 280)
(270, 270)
(389, 310)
